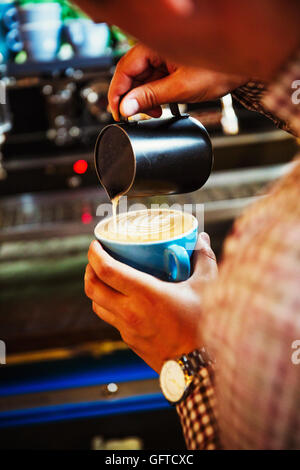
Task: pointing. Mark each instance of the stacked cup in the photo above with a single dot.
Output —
(88, 39)
(8, 30)
(40, 28)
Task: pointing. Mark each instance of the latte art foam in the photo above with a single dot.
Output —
(146, 226)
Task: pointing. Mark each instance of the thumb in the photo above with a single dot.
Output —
(150, 96)
(204, 259)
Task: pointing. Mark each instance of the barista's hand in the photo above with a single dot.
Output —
(148, 81)
(157, 319)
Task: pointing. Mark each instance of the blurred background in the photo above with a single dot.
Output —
(69, 382)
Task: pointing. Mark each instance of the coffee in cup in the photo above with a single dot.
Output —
(146, 226)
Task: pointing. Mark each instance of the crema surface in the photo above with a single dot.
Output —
(146, 226)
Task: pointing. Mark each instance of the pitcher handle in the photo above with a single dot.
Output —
(174, 108)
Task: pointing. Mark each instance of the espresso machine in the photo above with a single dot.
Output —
(5, 121)
(57, 113)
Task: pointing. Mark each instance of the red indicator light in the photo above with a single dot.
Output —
(80, 167)
(86, 218)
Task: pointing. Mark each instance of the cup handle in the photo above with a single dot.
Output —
(10, 18)
(13, 41)
(177, 263)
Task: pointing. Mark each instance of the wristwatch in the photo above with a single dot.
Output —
(176, 376)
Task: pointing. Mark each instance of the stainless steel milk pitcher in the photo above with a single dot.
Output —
(157, 156)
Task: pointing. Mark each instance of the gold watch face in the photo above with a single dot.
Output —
(172, 381)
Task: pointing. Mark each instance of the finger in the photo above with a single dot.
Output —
(155, 113)
(151, 95)
(103, 295)
(119, 276)
(90, 274)
(105, 315)
(204, 260)
(136, 63)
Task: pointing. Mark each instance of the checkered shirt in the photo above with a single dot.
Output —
(251, 314)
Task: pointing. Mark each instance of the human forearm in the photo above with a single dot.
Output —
(251, 39)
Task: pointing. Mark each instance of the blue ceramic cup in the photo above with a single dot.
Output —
(168, 259)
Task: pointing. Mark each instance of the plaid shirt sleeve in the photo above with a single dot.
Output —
(279, 101)
(198, 414)
(251, 97)
(251, 318)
